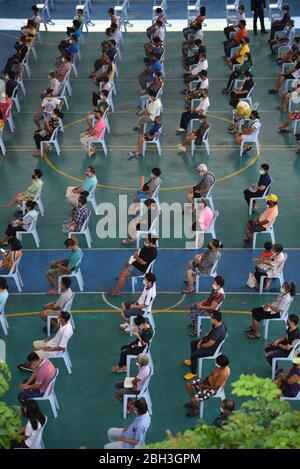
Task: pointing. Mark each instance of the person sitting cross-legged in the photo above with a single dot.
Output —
(85, 188)
(138, 307)
(21, 224)
(143, 222)
(204, 388)
(282, 346)
(31, 190)
(79, 216)
(206, 346)
(143, 332)
(149, 186)
(54, 308)
(149, 113)
(249, 129)
(196, 113)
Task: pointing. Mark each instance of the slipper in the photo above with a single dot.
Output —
(247, 150)
(249, 329)
(128, 241)
(192, 413)
(283, 130)
(253, 336)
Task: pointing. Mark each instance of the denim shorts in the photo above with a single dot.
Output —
(134, 272)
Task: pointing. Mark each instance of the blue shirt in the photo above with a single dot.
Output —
(73, 48)
(156, 66)
(155, 128)
(89, 183)
(264, 180)
(137, 430)
(77, 33)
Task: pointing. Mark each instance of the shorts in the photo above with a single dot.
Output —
(132, 311)
(134, 272)
(140, 196)
(259, 228)
(288, 76)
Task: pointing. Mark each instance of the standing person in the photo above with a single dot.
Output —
(31, 433)
(43, 373)
(282, 346)
(258, 7)
(134, 435)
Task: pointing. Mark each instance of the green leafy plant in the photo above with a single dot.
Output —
(261, 422)
(10, 415)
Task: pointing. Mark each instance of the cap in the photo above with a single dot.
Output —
(272, 198)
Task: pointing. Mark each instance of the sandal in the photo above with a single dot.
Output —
(253, 336)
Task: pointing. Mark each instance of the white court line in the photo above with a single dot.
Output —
(108, 303)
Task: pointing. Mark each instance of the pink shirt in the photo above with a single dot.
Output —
(143, 374)
(99, 127)
(45, 373)
(205, 218)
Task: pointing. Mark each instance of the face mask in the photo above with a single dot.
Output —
(218, 366)
(145, 282)
(137, 364)
(282, 290)
(215, 286)
(152, 175)
(269, 204)
(261, 171)
(49, 99)
(146, 243)
(63, 60)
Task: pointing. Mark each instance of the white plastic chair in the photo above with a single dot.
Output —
(208, 197)
(232, 8)
(10, 118)
(136, 277)
(2, 146)
(192, 10)
(63, 93)
(220, 394)
(147, 351)
(204, 140)
(293, 351)
(3, 320)
(30, 231)
(263, 196)
(75, 273)
(210, 230)
(199, 319)
(50, 395)
(64, 354)
(213, 272)
(143, 394)
(53, 139)
(248, 98)
(67, 308)
(296, 398)
(155, 141)
(278, 275)
(295, 126)
(25, 64)
(252, 138)
(38, 200)
(211, 357)
(84, 231)
(91, 198)
(15, 98)
(147, 314)
(284, 317)
(269, 231)
(274, 6)
(38, 441)
(100, 140)
(15, 274)
(152, 230)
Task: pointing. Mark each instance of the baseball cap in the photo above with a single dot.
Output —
(272, 198)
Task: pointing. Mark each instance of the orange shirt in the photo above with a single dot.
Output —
(240, 35)
(270, 214)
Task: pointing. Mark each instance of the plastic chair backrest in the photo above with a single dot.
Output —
(14, 267)
(50, 386)
(154, 194)
(39, 436)
(85, 224)
(77, 266)
(54, 134)
(68, 305)
(214, 267)
(205, 136)
(2, 306)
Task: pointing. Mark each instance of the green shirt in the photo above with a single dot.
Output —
(74, 258)
(33, 188)
(89, 183)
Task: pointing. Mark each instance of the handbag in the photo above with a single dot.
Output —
(251, 282)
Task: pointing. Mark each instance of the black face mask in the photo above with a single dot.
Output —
(33, 176)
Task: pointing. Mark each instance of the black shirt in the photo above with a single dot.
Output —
(291, 336)
(147, 254)
(217, 334)
(10, 86)
(258, 4)
(146, 335)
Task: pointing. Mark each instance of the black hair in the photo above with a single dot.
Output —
(268, 246)
(65, 315)
(38, 172)
(255, 114)
(73, 37)
(82, 199)
(31, 204)
(150, 276)
(111, 11)
(159, 22)
(91, 168)
(66, 281)
(265, 166)
(30, 23)
(294, 318)
(58, 113)
(76, 23)
(222, 361)
(140, 320)
(34, 8)
(156, 171)
(156, 39)
(34, 414)
(157, 56)
(248, 74)
(151, 239)
(277, 247)
(292, 288)
(242, 7)
(243, 23)
(159, 10)
(202, 11)
(14, 244)
(141, 406)
(286, 7)
(219, 280)
(3, 283)
(217, 244)
(157, 73)
(217, 315)
(228, 405)
(203, 73)
(32, 357)
(49, 91)
(69, 242)
(152, 93)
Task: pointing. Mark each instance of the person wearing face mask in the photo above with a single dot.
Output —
(149, 187)
(21, 225)
(271, 310)
(134, 435)
(30, 192)
(257, 190)
(226, 408)
(143, 222)
(101, 104)
(202, 264)
(207, 345)
(61, 267)
(48, 348)
(270, 266)
(64, 67)
(137, 264)
(47, 107)
(11, 256)
(88, 184)
(289, 382)
(195, 135)
(136, 383)
(43, 372)
(143, 332)
(196, 113)
(204, 185)
(147, 136)
(242, 91)
(208, 306)
(45, 135)
(204, 388)
(264, 221)
(139, 307)
(252, 128)
(79, 217)
(282, 346)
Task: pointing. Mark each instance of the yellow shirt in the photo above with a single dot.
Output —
(240, 55)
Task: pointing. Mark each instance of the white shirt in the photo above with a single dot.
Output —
(147, 296)
(50, 105)
(64, 298)
(33, 436)
(54, 85)
(62, 337)
(201, 65)
(204, 84)
(154, 108)
(204, 105)
(160, 32)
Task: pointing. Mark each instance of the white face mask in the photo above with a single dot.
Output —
(215, 286)
(152, 175)
(282, 290)
(218, 366)
(261, 171)
(145, 282)
(137, 364)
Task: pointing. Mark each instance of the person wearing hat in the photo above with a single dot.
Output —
(289, 382)
(257, 190)
(264, 221)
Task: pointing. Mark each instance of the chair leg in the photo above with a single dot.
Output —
(36, 238)
(67, 362)
(125, 402)
(200, 360)
(48, 325)
(254, 240)
(3, 324)
(197, 283)
(274, 363)
(199, 320)
(261, 283)
(104, 147)
(53, 406)
(251, 206)
(201, 409)
(266, 329)
(18, 283)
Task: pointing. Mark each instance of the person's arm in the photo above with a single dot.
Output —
(127, 440)
(284, 346)
(294, 379)
(213, 306)
(139, 259)
(209, 343)
(53, 349)
(51, 305)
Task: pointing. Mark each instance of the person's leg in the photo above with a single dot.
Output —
(190, 389)
(275, 354)
(198, 353)
(255, 15)
(124, 275)
(249, 230)
(36, 120)
(114, 433)
(256, 313)
(262, 21)
(52, 276)
(286, 125)
(141, 139)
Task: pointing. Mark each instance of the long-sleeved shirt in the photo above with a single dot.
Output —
(80, 214)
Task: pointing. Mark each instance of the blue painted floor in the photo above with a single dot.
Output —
(105, 265)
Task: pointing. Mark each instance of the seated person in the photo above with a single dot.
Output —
(5, 107)
(206, 307)
(248, 129)
(204, 388)
(195, 135)
(134, 435)
(292, 116)
(202, 264)
(109, 50)
(136, 384)
(137, 264)
(143, 332)
(49, 103)
(197, 93)
(281, 347)
(105, 85)
(206, 346)
(22, 47)
(236, 39)
(204, 185)
(243, 111)
(194, 59)
(291, 54)
(283, 40)
(79, 216)
(155, 46)
(23, 224)
(30, 192)
(63, 68)
(149, 113)
(92, 135)
(139, 307)
(292, 74)
(151, 65)
(71, 44)
(76, 25)
(48, 348)
(107, 70)
(88, 184)
(264, 221)
(11, 256)
(149, 187)
(43, 372)
(11, 83)
(205, 216)
(34, 426)
(144, 222)
(234, 26)
(239, 57)
(45, 134)
(196, 113)
(54, 308)
(239, 72)
(226, 409)
(54, 85)
(280, 24)
(257, 190)
(289, 382)
(155, 85)
(269, 266)
(114, 20)
(101, 105)
(147, 136)
(195, 25)
(271, 310)
(286, 96)
(243, 90)
(29, 31)
(64, 266)
(193, 74)
(159, 17)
